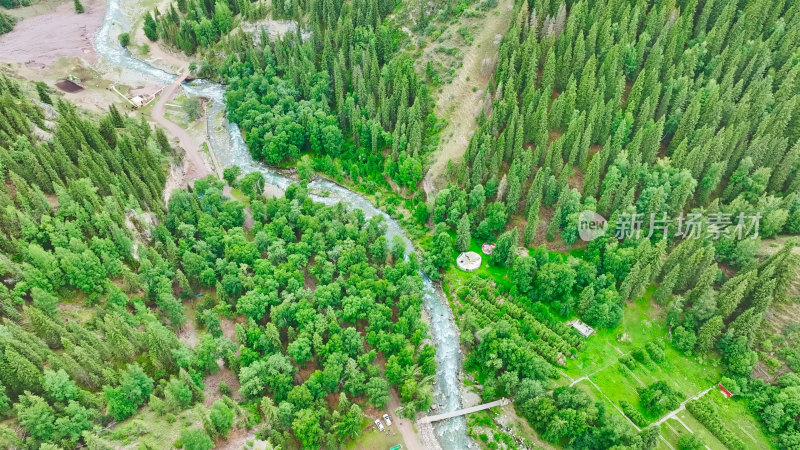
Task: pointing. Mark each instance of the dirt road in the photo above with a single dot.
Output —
(405, 426)
(194, 165)
(458, 102)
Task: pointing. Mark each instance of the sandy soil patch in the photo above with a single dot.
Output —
(229, 327)
(160, 56)
(30, 55)
(188, 334)
(239, 438)
(41, 40)
(519, 427)
(274, 28)
(212, 382)
(781, 315)
(772, 245)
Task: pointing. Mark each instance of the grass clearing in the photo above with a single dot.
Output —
(618, 386)
(687, 375)
(486, 270)
(597, 396)
(709, 439)
(660, 445)
(371, 438)
(739, 420)
(241, 197)
(642, 322)
(149, 428)
(672, 430)
(500, 275)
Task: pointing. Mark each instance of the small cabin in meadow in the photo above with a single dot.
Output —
(584, 329)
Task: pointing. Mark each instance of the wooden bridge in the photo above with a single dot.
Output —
(461, 412)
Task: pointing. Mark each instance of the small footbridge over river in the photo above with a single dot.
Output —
(461, 412)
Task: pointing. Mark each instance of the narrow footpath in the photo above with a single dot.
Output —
(405, 426)
(681, 407)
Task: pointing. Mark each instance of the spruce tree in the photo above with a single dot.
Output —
(506, 248)
(150, 27)
(44, 96)
(532, 223)
(116, 117)
(463, 234)
(708, 333)
(26, 374)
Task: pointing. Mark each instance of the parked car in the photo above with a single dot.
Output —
(387, 420)
(379, 424)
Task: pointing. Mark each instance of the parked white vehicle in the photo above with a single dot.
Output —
(387, 420)
(379, 424)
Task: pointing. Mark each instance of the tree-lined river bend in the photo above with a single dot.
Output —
(230, 149)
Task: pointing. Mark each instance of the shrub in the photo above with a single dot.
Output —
(6, 22)
(633, 413)
(684, 339)
(656, 351)
(642, 356)
(177, 395)
(194, 439)
(690, 441)
(44, 95)
(124, 39)
(628, 361)
(221, 417)
(192, 108)
(230, 174)
(224, 389)
(659, 397)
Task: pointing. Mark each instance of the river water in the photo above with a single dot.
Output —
(230, 149)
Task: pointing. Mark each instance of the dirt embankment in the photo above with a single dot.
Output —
(39, 40)
(458, 102)
(157, 54)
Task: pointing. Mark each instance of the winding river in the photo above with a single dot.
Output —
(229, 149)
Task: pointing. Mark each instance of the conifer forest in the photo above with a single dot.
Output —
(385, 224)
